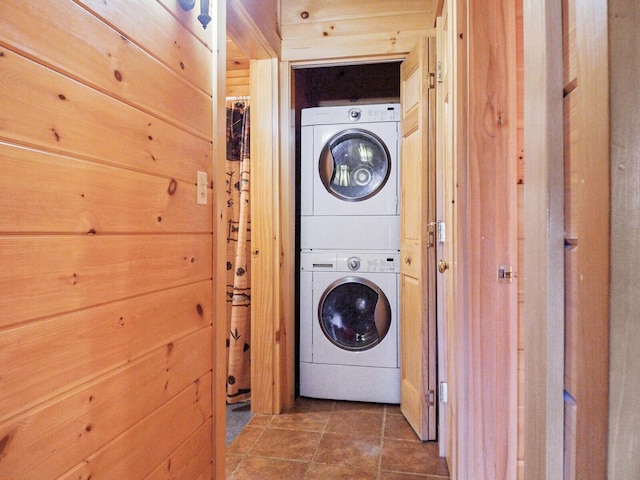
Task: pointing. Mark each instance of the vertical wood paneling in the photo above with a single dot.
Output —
(106, 312)
(544, 242)
(219, 201)
(520, 214)
(587, 218)
(492, 229)
(265, 241)
(624, 365)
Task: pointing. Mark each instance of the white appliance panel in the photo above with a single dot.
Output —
(350, 232)
(358, 384)
(379, 120)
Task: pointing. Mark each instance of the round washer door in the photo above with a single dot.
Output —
(354, 165)
(354, 314)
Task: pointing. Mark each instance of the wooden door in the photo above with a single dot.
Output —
(445, 190)
(417, 252)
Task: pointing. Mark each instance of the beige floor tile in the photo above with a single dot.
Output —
(258, 468)
(362, 406)
(245, 440)
(301, 419)
(260, 420)
(408, 476)
(286, 444)
(345, 450)
(361, 423)
(231, 463)
(315, 404)
(396, 426)
(393, 410)
(337, 472)
(413, 457)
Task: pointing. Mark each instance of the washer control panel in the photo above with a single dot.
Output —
(353, 261)
(369, 262)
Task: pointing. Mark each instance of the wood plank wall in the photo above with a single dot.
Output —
(488, 219)
(237, 71)
(586, 226)
(520, 210)
(624, 384)
(317, 31)
(106, 279)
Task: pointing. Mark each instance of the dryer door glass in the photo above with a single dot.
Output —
(354, 314)
(354, 165)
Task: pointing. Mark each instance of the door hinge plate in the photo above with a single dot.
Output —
(430, 398)
(431, 80)
(444, 392)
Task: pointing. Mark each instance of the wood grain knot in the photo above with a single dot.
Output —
(4, 442)
(304, 15)
(173, 185)
(118, 75)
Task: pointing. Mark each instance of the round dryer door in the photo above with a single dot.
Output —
(354, 314)
(354, 165)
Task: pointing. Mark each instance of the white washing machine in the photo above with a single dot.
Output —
(349, 326)
(349, 174)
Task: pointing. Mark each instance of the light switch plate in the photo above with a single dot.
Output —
(202, 188)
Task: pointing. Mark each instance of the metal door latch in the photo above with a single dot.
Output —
(505, 274)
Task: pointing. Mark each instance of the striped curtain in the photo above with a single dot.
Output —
(238, 253)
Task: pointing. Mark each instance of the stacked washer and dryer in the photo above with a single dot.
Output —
(349, 253)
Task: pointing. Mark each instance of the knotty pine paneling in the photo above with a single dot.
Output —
(47, 110)
(254, 26)
(94, 340)
(77, 425)
(340, 29)
(106, 312)
(189, 459)
(150, 25)
(45, 192)
(347, 10)
(137, 452)
(491, 225)
(107, 61)
(69, 272)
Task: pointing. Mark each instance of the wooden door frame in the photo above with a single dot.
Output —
(544, 257)
(219, 89)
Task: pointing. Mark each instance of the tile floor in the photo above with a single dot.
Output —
(330, 440)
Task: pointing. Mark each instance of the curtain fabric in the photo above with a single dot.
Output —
(238, 253)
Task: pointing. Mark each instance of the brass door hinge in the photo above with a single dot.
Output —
(431, 80)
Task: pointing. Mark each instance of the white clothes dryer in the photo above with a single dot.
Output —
(349, 326)
(349, 160)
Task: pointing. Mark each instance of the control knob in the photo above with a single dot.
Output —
(353, 263)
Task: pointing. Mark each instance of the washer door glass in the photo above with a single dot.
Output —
(354, 165)
(354, 314)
